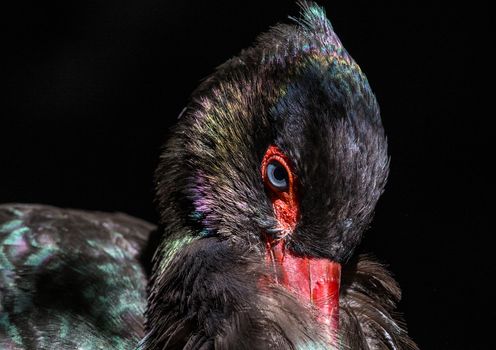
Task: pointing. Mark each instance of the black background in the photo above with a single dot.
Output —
(92, 88)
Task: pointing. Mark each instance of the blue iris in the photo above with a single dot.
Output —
(277, 175)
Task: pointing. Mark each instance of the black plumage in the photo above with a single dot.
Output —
(298, 90)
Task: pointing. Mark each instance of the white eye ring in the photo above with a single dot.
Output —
(277, 175)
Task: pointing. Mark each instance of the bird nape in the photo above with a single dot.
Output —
(264, 188)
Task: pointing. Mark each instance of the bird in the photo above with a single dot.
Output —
(264, 187)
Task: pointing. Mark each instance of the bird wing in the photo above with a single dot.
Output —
(70, 279)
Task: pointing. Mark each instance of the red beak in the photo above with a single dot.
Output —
(312, 280)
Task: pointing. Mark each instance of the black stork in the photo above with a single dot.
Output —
(264, 189)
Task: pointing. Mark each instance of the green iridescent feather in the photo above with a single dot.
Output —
(70, 279)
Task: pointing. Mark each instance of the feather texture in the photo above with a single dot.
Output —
(368, 315)
(70, 279)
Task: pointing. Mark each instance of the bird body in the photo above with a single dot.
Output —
(70, 279)
(264, 189)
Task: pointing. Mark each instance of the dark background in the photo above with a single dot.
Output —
(92, 88)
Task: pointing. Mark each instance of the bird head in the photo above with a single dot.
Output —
(281, 149)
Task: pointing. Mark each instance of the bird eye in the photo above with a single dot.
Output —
(277, 176)
(277, 173)
(280, 182)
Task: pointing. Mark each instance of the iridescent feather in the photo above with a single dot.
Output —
(70, 279)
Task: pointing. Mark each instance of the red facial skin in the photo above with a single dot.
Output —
(314, 280)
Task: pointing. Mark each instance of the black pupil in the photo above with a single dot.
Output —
(279, 173)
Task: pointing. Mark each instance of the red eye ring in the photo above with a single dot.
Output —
(275, 155)
(284, 201)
